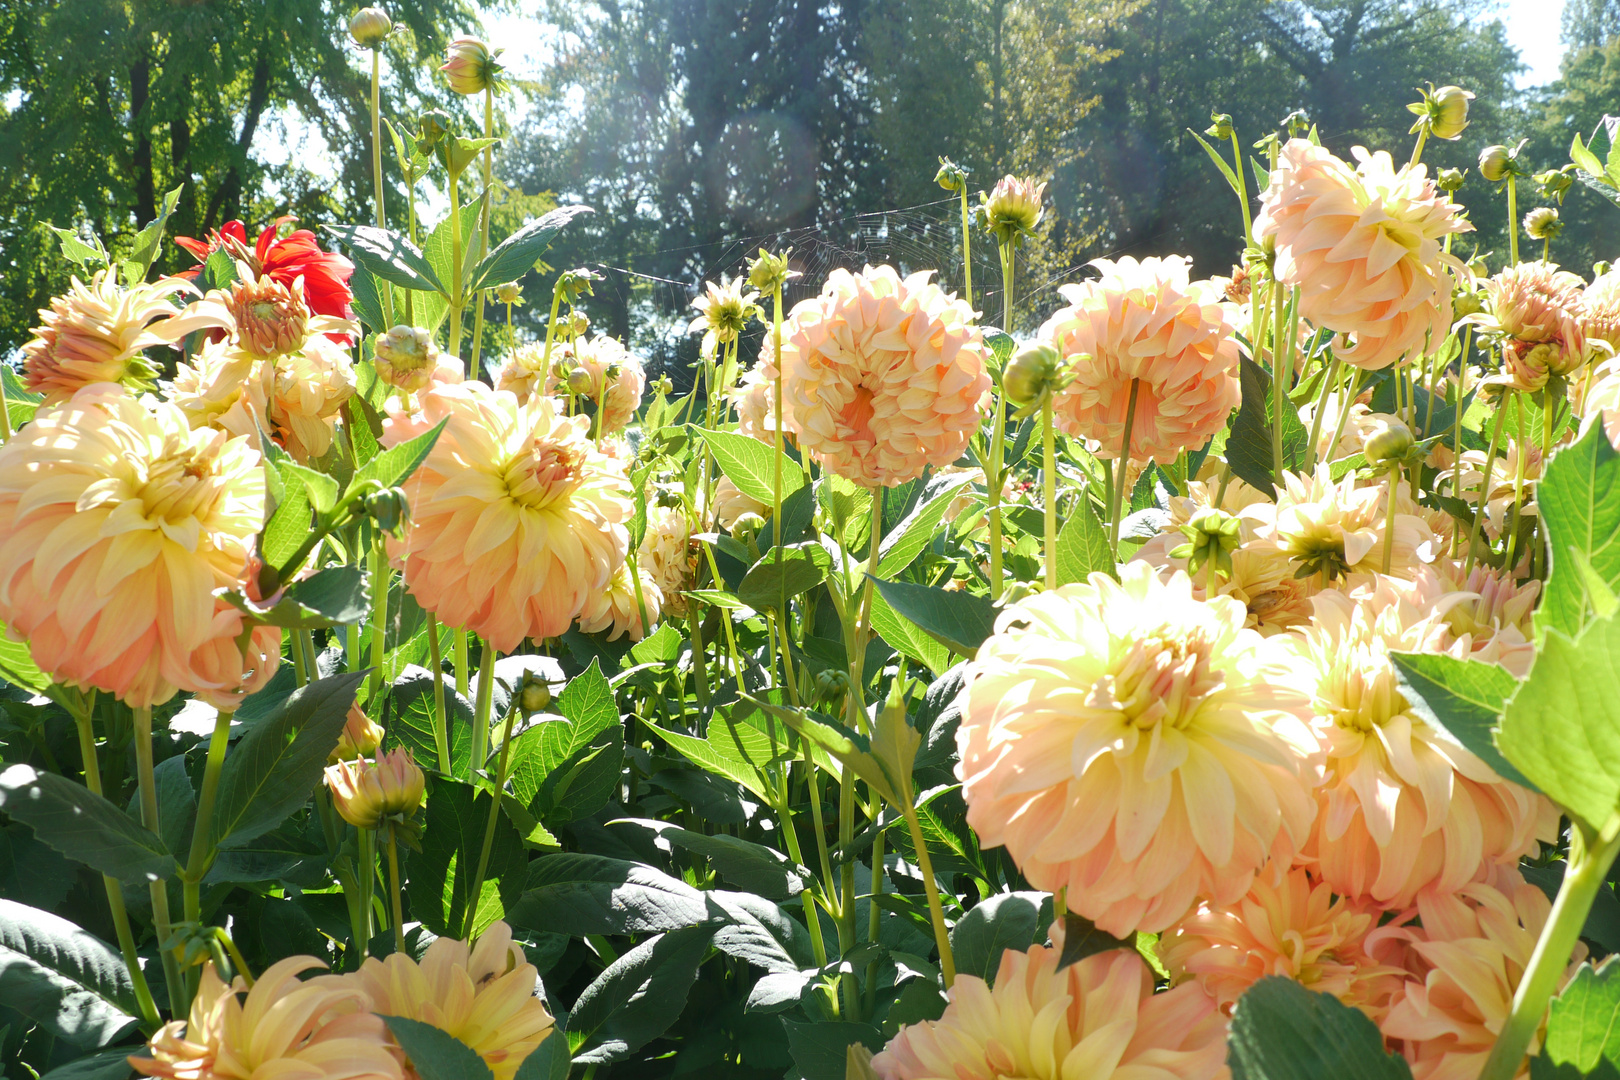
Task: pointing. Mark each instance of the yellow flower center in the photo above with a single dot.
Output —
(1160, 679)
(180, 483)
(1360, 692)
(548, 472)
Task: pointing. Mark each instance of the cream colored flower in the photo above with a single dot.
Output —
(308, 388)
(484, 995)
(1136, 746)
(617, 609)
(724, 311)
(883, 377)
(95, 333)
(1333, 529)
(1599, 311)
(219, 387)
(1363, 246)
(1097, 1019)
(754, 398)
(1145, 322)
(524, 372)
(610, 371)
(669, 556)
(731, 504)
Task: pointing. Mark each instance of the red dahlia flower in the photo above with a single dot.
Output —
(285, 260)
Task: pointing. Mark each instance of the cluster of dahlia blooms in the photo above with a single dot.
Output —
(332, 1026)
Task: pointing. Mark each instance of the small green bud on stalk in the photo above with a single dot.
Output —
(1443, 112)
(1031, 373)
(370, 27)
(1220, 126)
(951, 176)
(1542, 223)
(1449, 180)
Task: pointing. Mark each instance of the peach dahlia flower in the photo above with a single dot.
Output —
(1135, 745)
(754, 398)
(95, 333)
(1363, 246)
(484, 995)
(1334, 528)
(1097, 1019)
(616, 609)
(883, 376)
(1600, 311)
(1146, 321)
(117, 525)
(1298, 930)
(613, 373)
(282, 1029)
(1403, 806)
(517, 519)
(668, 556)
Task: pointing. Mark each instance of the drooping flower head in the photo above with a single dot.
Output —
(470, 67)
(282, 1029)
(1363, 246)
(283, 259)
(117, 524)
(882, 376)
(1097, 1019)
(366, 793)
(517, 519)
(1403, 805)
(1145, 322)
(1135, 745)
(95, 333)
(483, 995)
(611, 373)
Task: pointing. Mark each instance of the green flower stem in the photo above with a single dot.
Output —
(1117, 495)
(635, 584)
(967, 253)
(1049, 483)
(1417, 151)
(441, 722)
(150, 1020)
(202, 832)
(300, 673)
(725, 623)
(1329, 381)
(376, 136)
(152, 820)
(1589, 861)
(1484, 486)
(1281, 362)
(393, 885)
(473, 370)
(381, 577)
(457, 254)
(486, 698)
(5, 415)
(874, 919)
(463, 663)
(998, 434)
(365, 880)
(1540, 537)
(1391, 490)
(1518, 486)
(790, 837)
(1513, 218)
(936, 912)
(489, 826)
(1239, 168)
(776, 483)
(551, 329)
(700, 664)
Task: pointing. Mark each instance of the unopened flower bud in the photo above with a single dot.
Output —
(573, 284)
(366, 793)
(1030, 372)
(271, 319)
(370, 27)
(1211, 535)
(1529, 365)
(389, 508)
(1554, 183)
(1601, 267)
(1220, 126)
(951, 176)
(576, 323)
(768, 272)
(360, 739)
(1449, 179)
(747, 526)
(1297, 122)
(1444, 112)
(1542, 223)
(1466, 303)
(405, 358)
(578, 381)
(535, 695)
(510, 293)
(1013, 206)
(1016, 591)
(433, 126)
(664, 385)
(469, 66)
(1496, 162)
(831, 686)
(1387, 442)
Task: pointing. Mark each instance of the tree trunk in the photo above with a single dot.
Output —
(140, 75)
(229, 194)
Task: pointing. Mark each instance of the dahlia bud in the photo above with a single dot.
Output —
(575, 323)
(1016, 591)
(1013, 207)
(1497, 162)
(1387, 442)
(831, 686)
(747, 526)
(573, 284)
(433, 126)
(1555, 183)
(271, 319)
(405, 358)
(1449, 179)
(1297, 122)
(1220, 126)
(1031, 372)
(470, 68)
(389, 508)
(579, 381)
(367, 793)
(1529, 365)
(1466, 303)
(1444, 112)
(951, 176)
(535, 695)
(770, 272)
(1601, 267)
(370, 27)
(360, 739)
(1542, 223)
(510, 293)
(1211, 535)
(664, 385)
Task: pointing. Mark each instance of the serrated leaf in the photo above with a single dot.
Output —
(1464, 698)
(65, 979)
(395, 465)
(906, 541)
(994, 925)
(441, 875)
(638, 996)
(388, 256)
(1248, 448)
(802, 568)
(75, 249)
(436, 1054)
(751, 465)
(959, 620)
(1282, 1031)
(367, 300)
(335, 596)
(150, 239)
(1583, 1024)
(1578, 500)
(517, 254)
(1082, 547)
(733, 750)
(410, 717)
(907, 638)
(83, 825)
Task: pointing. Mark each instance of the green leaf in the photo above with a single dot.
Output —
(83, 825)
(750, 464)
(441, 875)
(389, 256)
(1282, 1031)
(395, 465)
(638, 996)
(852, 749)
(107, 1065)
(1082, 546)
(76, 250)
(1562, 729)
(436, 1054)
(65, 979)
(745, 864)
(1005, 921)
(580, 894)
(1464, 698)
(21, 403)
(548, 1061)
(517, 254)
(802, 568)
(367, 302)
(335, 596)
(1082, 939)
(150, 239)
(431, 307)
(288, 526)
(907, 540)
(1583, 1025)
(821, 1050)
(1215, 156)
(958, 620)
(1580, 155)
(410, 711)
(733, 750)
(17, 665)
(1579, 502)
(1248, 449)
(271, 770)
(907, 638)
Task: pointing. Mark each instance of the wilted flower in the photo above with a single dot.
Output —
(470, 68)
(882, 376)
(483, 995)
(370, 27)
(605, 370)
(1096, 1019)
(1363, 246)
(1444, 112)
(366, 793)
(360, 739)
(1134, 745)
(318, 1029)
(517, 520)
(724, 311)
(95, 333)
(1145, 321)
(617, 610)
(1542, 223)
(405, 358)
(1013, 207)
(117, 523)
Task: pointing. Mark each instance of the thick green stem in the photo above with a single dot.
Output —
(441, 723)
(473, 370)
(150, 1020)
(202, 832)
(1484, 487)
(376, 137)
(1391, 490)
(700, 659)
(365, 879)
(790, 838)
(381, 576)
(489, 825)
(1417, 151)
(936, 912)
(776, 481)
(1585, 874)
(486, 698)
(551, 329)
(1329, 381)
(1049, 485)
(152, 820)
(992, 488)
(393, 886)
(1117, 495)
(463, 663)
(967, 251)
(1240, 168)
(1513, 218)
